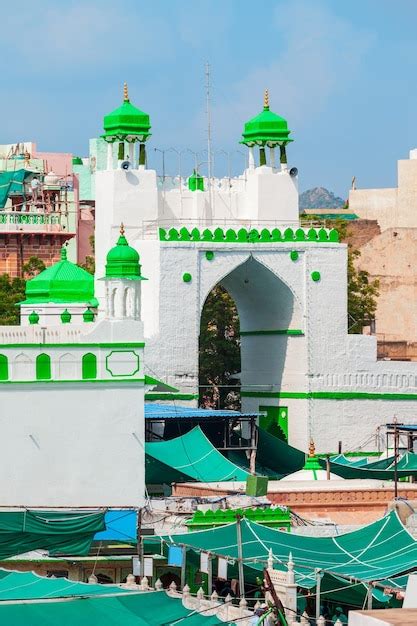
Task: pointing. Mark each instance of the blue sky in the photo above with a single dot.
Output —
(343, 73)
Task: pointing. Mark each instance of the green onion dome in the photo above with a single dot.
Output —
(63, 282)
(123, 261)
(126, 123)
(266, 129)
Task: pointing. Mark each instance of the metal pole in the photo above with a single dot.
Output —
(395, 458)
(318, 590)
(183, 563)
(240, 557)
(140, 544)
(327, 470)
(209, 575)
(370, 596)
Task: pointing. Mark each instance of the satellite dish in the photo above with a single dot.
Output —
(125, 165)
(293, 172)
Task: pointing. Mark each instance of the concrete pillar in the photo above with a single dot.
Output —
(251, 158)
(109, 156)
(272, 157)
(132, 154)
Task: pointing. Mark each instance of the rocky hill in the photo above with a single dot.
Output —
(320, 198)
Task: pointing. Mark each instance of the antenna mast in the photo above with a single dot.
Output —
(208, 114)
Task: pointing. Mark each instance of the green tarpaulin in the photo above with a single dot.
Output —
(189, 457)
(274, 457)
(153, 608)
(11, 182)
(376, 552)
(377, 470)
(68, 533)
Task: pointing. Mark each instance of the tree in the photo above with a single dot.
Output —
(12, 291)
(219, 351)
(90, 263)
(33, 266)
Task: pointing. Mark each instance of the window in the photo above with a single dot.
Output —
(4, 367)
(89, 366)
(43, 367)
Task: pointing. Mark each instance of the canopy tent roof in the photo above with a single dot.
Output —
(30, 586)
(190, 456)
(379, 470)
(67, 533)
(376, 552)
(156, 411)
(274, 457)
(129, 609)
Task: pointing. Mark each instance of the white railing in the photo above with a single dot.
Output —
(32, 221)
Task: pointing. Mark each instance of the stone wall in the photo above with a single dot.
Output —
(16, 250)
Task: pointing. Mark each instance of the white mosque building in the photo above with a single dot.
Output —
(289, 284)
(72, 389)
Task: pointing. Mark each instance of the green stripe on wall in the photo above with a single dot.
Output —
(287, 331)
(72, 345)
(72, 381)
(329, 395)
(171, 396)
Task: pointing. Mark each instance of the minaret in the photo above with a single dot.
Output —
(126, 125)
(266, 130)
(123, 281)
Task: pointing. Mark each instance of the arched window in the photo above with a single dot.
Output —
(89, 366)
(4, 367)
(43, 367)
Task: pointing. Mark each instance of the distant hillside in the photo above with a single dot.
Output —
(320, 198)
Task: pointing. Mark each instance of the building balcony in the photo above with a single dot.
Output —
(36, 222)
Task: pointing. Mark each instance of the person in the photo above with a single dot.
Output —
(256, 617)
(339, 615)
(227, 590)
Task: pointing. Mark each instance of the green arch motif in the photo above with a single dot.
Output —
(43, 367)
(231, 235)
(173, 235)
(265, 235)
(195, 234)
(4, 367)
(184, 234)
(89, 366)
(162, 234)
(218, 234)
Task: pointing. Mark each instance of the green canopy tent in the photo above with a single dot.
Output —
(189, 457)
(154, 608)
(274, 457)
(378, 470)
(379, 551)
(67, 533)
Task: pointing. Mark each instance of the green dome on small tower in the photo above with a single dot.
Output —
(126, 123)
(266, 129)
(63, 282)
(123, 261)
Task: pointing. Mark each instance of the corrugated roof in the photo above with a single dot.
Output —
(174, 411)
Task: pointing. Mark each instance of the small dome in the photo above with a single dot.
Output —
(126, 121)
(63, 282)
(123, 261)
(267, 128)
(312, 469)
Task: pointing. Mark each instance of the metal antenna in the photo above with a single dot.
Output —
(208, 114)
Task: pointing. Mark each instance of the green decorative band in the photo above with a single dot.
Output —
(171, 396)
(329, 395)
(288, 331)
(315, 276)
(187, 278)
(73, 381)
(72, 345)
(218, 235)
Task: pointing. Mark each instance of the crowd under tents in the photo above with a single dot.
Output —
(29, 599)
(378, 553)
(383, 469)
(58, 532)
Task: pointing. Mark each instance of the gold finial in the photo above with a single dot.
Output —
(311, 449)
(266, 99)
(125, 93)
(122, 229)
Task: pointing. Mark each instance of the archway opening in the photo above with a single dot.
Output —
(219, 352)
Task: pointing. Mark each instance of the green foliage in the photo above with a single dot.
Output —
(12, 290)
(219, 351)
(90, 262)
(33, 267)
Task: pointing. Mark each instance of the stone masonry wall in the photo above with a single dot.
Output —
(16, 250)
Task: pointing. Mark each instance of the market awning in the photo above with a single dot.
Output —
(377, 470)
(189, 457)
(376, 552)
(12, 182)
(152, 608)
(67, 533)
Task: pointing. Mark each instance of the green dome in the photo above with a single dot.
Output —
(266, 129)
(126, 123)
(123, 261)
(63, 282)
